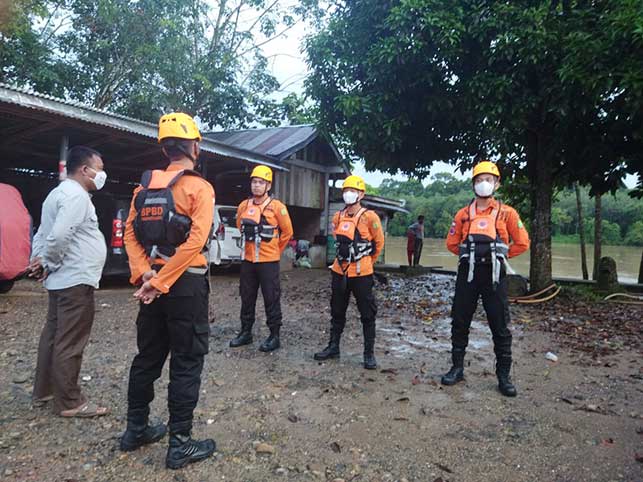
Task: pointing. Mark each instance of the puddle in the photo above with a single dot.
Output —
(402, 340)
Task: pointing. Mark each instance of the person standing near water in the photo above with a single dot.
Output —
(480, 235)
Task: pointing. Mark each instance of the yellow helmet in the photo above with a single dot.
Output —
(485, 167)
(179, 126)
(262, 172)
(354, 182)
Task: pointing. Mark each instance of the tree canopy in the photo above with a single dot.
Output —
(145, 57)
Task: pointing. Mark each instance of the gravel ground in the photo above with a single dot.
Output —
(578, 419)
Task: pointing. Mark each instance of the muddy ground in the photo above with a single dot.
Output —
(578, 419)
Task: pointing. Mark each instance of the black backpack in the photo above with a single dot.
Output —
(157, 226)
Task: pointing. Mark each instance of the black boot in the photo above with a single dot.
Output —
(184, 450)
(332, 350)
(243, 338)
(456, 374)
(503, 367)
(141, 434)
(369, 357)
(272, 342)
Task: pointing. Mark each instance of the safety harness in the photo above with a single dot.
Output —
(157, 226)
(255, 228)
(350, 246)
(483, 244)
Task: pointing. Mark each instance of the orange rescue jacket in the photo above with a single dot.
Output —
(193, 197)
(508, 224)
(271, 213)
(369, 227)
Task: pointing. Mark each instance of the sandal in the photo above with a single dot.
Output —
(41, 402)
(87, 410)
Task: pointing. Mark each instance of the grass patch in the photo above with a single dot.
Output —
(582, 293)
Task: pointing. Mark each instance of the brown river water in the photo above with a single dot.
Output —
(565, 262)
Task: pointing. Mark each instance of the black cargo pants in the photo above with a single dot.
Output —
(252, 277)
(175, 324)
(362, 289)
(495, 304)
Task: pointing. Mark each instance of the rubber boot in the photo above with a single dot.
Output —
(243, 338)
(183, 450)
(370, 363)
(272, 342)
(503, 367)
(332, 350)
(456, 374)
(138, 434)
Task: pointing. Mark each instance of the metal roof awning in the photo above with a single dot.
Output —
(281, 143)
(278, 143)
(51, 108)
(385, 204)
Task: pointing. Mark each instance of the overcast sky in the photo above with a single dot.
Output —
(287, 63)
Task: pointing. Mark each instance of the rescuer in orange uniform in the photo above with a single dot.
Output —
(265, 228)
(480, 235)
(359, 240)
(166, 237)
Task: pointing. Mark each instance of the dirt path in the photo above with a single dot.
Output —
(580, 419)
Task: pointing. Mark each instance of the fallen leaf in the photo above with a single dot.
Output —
(335, 447)
(416, 380)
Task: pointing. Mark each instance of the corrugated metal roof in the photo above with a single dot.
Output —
(30, 99)
(276, 142)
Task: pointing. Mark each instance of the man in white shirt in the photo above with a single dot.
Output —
(69, 253)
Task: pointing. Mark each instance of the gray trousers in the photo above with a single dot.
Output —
(417, 251)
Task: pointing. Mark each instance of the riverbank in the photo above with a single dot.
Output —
(579, 419)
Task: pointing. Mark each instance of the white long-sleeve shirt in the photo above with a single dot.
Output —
(68, 241)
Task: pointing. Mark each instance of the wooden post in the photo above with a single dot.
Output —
(326, 204)
(62, 163)
(598, 238)
(581, 232)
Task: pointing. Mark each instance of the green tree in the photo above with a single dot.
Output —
(297, 110)
(145, 57)
(26, 51)
(634, 235)
(410, 82)
(611, 233)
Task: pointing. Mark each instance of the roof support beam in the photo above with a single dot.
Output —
(13, 137)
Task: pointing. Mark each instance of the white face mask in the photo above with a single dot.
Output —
(350, 197)
(100, 179)
(484, 188)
